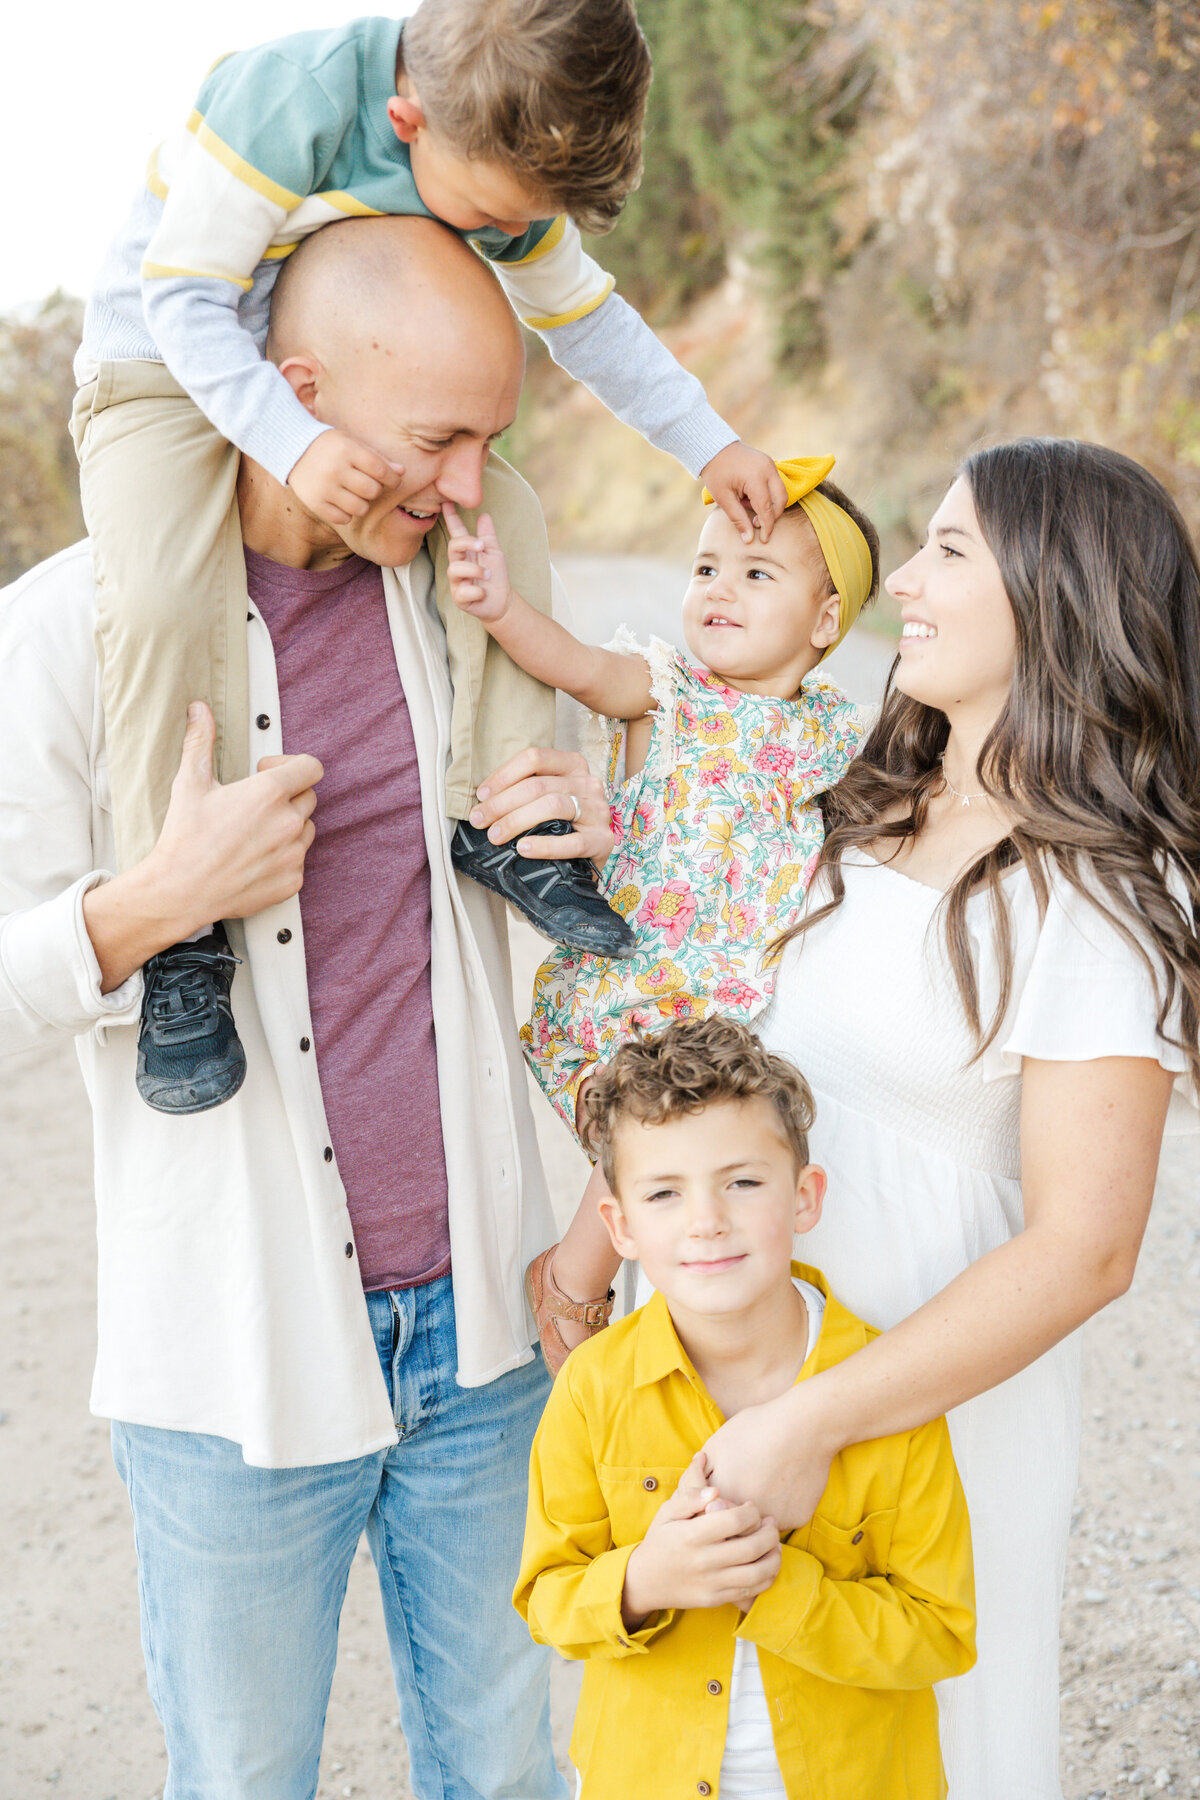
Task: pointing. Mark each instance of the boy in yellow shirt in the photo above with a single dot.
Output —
(722, 1657)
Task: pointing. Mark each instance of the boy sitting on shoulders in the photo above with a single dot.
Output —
(720, 1656)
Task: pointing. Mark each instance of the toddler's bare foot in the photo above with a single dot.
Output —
(562, 1323)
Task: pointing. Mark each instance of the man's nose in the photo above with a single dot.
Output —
(460, 477)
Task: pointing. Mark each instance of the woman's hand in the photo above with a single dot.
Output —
(776, 1455)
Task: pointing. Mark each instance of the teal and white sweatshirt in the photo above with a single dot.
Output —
(286, 138)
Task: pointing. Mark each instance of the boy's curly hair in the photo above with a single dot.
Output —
(691, 1065)
(553, 90)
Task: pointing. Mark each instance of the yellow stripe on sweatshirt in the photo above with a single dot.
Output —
(550, 242)
(162, 272)
(580, 312)
(237, 165)
(154, 180)
(346, 203)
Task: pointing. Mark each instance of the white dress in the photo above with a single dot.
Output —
(923, 1155)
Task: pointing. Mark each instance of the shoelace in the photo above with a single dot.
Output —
(561, 871)
(544, 876)
(180, 994)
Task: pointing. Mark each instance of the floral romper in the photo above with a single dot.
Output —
(717, 840)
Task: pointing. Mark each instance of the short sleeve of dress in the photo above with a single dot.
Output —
(602, 739)
(833, 728)
(1080, 991)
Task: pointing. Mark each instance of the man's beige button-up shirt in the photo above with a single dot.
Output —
(227, 1302)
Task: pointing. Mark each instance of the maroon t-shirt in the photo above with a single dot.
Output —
(365, 910)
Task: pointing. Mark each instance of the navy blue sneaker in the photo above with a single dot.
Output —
(560, 898)
(189, 1054)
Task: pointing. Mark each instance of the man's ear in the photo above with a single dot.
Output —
(811, 1182)
(407, 116)
(614, 1219)
(303, 374)
(829, 623)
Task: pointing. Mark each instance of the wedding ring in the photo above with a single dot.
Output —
(574, 799)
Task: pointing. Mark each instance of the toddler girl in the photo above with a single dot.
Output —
(717, 820)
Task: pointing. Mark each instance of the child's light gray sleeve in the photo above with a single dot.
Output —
(613, 352)
(194, 321)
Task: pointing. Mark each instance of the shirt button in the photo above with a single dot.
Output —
(328, 1153)
(703, 1787)
(650, 1483)
(305, 1044)
(624, 1643)
(857, 1538)
(284, 936)
(714, 1687)
(263, 722)
(349, 1249)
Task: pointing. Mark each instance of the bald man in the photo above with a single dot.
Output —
(311, 1322)
(401, 340)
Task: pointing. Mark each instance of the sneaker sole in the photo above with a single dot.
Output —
(163, 1099)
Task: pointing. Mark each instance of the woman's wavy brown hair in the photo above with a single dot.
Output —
(1096, 753)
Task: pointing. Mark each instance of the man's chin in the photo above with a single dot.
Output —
(391, 543)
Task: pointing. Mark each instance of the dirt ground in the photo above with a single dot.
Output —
(75, 1719)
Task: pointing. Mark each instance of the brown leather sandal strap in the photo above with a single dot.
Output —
(593, 1313)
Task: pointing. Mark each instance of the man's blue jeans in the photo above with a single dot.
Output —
(242, 1573)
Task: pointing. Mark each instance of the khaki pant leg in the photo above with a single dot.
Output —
(498, 708)
(159, 489)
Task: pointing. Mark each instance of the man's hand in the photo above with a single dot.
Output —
(232, 851)
(698, 1553)
(747, 487)
(224, 852)
(338, 477)
(477, 571)
(536, 785)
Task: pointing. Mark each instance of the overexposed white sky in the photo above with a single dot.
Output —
(86, 91)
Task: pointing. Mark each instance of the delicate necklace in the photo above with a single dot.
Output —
(965, 798)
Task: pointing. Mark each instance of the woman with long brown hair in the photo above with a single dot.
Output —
(995, 995)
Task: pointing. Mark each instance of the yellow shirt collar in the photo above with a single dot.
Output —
(658, 1351)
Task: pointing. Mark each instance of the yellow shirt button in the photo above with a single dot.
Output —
(714, 1687)
(703, 1787)
(650, 1483)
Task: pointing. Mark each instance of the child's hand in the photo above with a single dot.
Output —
(339, 478)
(477, 570)
(745, 1600)
(695, 1554)
(747, 487)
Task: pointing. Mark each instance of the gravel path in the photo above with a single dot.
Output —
(74, 1716)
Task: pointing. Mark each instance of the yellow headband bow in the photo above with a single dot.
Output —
(845, 549)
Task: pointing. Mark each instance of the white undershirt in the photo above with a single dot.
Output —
(749, 1767)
